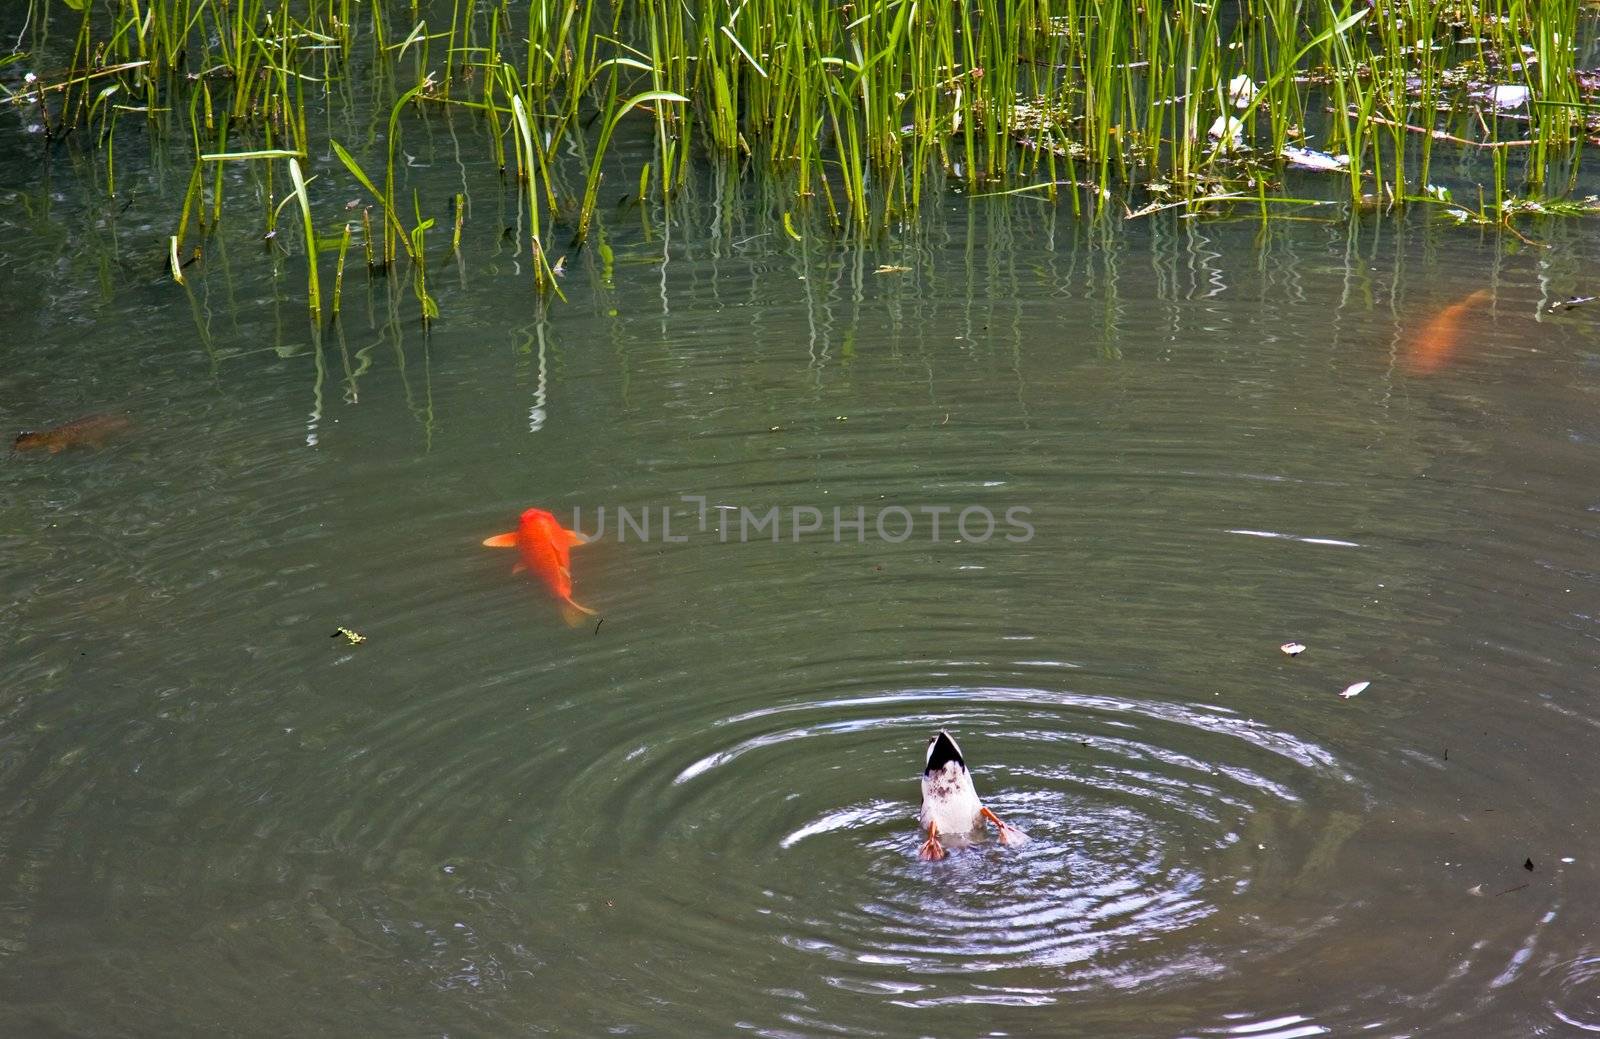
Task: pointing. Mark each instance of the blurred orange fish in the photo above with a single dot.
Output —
(1435, 343)
(545, 549)
(89, 431)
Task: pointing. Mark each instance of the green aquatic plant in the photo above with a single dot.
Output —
(313, 286)
(855, 113)
(591, 192)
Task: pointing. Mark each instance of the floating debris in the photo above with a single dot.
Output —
(890, 268)
(1505, 97)
(1355, 690)
(1294, 649)
(1242, 90)
(1227, 131)
(1311, 159)
(1528, 865)
(352, 637)
(1575, 301)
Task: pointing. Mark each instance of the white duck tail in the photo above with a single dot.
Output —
(950, 804)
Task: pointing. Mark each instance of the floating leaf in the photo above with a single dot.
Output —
(1355, 690)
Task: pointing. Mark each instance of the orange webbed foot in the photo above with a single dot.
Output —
(931, 850)
(1008, 834)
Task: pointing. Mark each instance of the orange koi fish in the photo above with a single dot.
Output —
(1432, 345)
(89, 431)
(544, 547)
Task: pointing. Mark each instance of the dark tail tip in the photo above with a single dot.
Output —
(942, 750)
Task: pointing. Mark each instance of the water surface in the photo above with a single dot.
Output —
(697, 817)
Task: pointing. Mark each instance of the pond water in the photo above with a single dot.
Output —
(697, 814)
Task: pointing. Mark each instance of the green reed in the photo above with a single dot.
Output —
(313, 286)
(856, 111)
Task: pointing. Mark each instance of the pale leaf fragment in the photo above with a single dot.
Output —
(1311, 159)
(1241, 91)
(1506, 97)
(1228, 132)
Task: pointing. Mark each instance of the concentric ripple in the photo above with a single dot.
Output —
(800, 820)
(1577, 1003)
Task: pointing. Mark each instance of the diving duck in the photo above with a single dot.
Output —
(950, 805)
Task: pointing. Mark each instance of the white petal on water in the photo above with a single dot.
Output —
(1355, 690)
(1294, 649)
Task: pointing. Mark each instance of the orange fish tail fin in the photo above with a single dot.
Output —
(501, 541)
(576, 616)
(575, 538)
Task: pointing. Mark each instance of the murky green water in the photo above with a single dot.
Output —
(698, 816)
